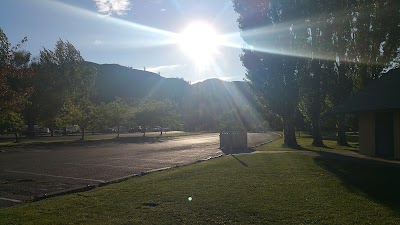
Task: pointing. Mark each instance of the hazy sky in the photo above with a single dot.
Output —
(135, 33)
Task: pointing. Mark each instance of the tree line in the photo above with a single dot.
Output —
(57, 89)
(308, 55)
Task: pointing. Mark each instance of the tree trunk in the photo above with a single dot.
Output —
(341, 131)
(316, 132)
(31, 127)
(16, 136)
(52, 131)
(83, 134)
(118, 132)
(144, 131)
(289, 133)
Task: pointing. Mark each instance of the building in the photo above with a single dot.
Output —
(378, 107)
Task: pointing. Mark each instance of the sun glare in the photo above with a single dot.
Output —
(200, 42)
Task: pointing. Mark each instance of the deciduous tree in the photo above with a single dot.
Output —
(14, 69)
(272, 66)
(115, 114)
(12, 122)
(60, 75)
(157, 113)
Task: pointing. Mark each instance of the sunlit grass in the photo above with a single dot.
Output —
(286, 188)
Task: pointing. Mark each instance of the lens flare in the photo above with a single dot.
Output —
(200, 42)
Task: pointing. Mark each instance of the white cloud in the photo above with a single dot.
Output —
(164, 69)
(97, 42)
(220, 78)
(109, 7)
(227, 78)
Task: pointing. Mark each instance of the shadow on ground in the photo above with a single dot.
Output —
(349, 138)
(378, 180)
(240, 161)
(78, 142)
(353, 147)
(228, 151)
(124, 140)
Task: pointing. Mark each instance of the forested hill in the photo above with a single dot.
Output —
(114, 80)
(201, 104)
(119, 81)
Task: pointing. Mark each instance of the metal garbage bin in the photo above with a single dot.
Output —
(233, 140)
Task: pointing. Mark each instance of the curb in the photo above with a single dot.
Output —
(113, 181)
(117, 180)
(63, 192)
(267, 142)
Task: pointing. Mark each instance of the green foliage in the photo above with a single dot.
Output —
(376, 38)
(240, 119)
(320, 51)
(14, 70)
(11, 121)
(79, 112)
(60, 76)
(157, 113)
(116, 113)
(270, 59)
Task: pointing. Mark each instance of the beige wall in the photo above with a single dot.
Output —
(396, 132)
(366, 126)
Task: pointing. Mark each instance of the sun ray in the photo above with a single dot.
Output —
(204, 53)
(157, 37)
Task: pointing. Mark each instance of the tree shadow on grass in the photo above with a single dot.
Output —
(308, 149)
(349, 138)
(380, 181)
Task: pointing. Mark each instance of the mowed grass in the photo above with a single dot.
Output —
(259, 188)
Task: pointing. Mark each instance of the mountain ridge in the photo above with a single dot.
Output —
(201, 104)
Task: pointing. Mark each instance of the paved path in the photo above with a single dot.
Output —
(88, 136)
(27, 172)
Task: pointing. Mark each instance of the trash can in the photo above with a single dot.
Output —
(233, 140)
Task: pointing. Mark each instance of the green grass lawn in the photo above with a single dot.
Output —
(259, 188)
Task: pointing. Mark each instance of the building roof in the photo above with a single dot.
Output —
(383, 94)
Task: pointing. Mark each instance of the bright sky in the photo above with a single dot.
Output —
(135, 33)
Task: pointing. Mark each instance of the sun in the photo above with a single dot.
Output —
(199, 41)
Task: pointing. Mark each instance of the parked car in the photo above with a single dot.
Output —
(62, 131)
(74, 128)
(109, 131)
(37, 129)
(157, 129)
(135, 129)
(43, 130)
